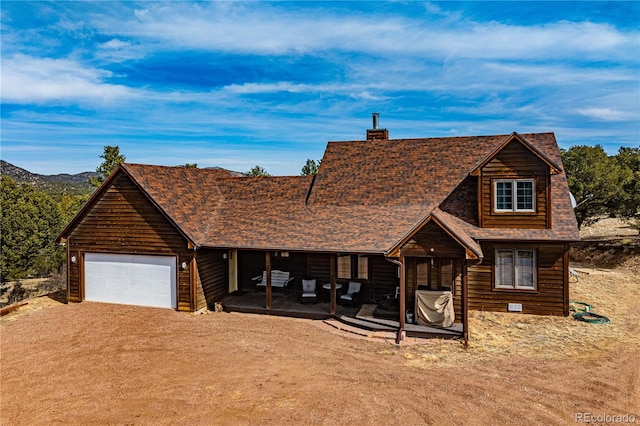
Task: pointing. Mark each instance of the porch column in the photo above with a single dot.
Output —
(332, 279)
(267, 263)
(402, 302)
(401, 296)
(465, 304)
(193, 283)
(565, 293)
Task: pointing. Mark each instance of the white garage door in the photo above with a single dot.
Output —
(130, 279)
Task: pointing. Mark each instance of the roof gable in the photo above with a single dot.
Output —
(516, 138)
(121, 170)
(471, 247)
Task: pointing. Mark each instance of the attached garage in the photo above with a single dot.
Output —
(122, 248)
(130, 279)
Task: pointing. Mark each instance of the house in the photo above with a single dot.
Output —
(487, 217)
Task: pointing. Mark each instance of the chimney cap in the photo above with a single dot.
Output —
(376, 133)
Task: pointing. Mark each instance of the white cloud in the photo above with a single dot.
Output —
(282, 86)
(607, 114)
(26, 79)
(279, 30)
(116, 50)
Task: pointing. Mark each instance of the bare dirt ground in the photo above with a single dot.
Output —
(93, 363)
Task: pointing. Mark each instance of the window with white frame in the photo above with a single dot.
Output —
(515, 269)
(514, 195)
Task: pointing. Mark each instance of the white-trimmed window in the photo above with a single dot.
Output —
(514, 195)
(353, 267)
(516, 269)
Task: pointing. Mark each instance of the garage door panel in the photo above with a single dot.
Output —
(131, 279)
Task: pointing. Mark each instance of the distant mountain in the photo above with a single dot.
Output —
(231, 173)
(65, 183)
(54, 184)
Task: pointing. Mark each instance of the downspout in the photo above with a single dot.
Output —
(401, 302)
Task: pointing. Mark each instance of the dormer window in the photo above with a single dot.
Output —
(514, 195)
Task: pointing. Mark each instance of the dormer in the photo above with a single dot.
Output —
(514, 186)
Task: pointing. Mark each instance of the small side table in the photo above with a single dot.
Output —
(327, 287)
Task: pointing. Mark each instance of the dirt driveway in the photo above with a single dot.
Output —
(94, 363)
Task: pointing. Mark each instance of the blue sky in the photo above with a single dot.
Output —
(236, 84)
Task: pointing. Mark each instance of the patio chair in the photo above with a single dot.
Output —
(309, 294)
(352, 294)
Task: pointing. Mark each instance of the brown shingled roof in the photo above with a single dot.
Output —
(367, 196)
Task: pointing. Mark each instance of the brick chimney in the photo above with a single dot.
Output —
(375, 133)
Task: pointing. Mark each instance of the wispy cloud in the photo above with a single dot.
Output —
(26, 79)
(607, 114)
(116, 50)
(279, 29)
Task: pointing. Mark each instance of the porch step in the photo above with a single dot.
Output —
(364, 324)
(339, 325)
(413, 330)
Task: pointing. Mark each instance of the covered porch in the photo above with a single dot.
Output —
(434, 262)
(362, 317)
(376, 309)
(283, 304)
(252, 284)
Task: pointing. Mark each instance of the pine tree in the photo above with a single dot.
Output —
(112, 158)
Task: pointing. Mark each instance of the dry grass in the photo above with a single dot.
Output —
(608, 228)
(494, 335)
(13, 292)
(613, 293)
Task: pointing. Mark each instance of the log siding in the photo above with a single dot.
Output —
(515, 162)
(549, 297)
(213, 278)
(123, 220)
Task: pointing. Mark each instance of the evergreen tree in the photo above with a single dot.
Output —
(31, 220)
(592, 176)
(311, 167)
(626, 204)
(112, 158)
(257, 171)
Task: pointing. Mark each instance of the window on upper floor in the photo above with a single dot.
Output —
(515, 269)
(514, 195)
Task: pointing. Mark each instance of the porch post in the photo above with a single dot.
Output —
(565, 293)
(193, 283)
(267, 262)
(332, 279)
(465, 304)
(402, 301)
